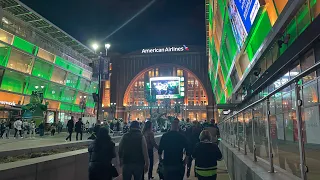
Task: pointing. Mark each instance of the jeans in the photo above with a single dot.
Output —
(80, 135)
(151, 160)
(69, 136)
(135, 170)
(16, 132)
(207, 178)
(174, 172)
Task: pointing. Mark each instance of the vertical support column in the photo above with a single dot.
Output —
(253, 142)
(210, 113)
(244, 134)
(303, 167)
(269, 136)
(237, 135)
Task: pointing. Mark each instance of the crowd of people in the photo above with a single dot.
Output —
(177, 149)
(19, 129)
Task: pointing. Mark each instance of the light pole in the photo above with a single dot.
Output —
(113, 107)
(95, 47)
(83, 101)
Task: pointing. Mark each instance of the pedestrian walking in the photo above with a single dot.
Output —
(26, 128)
(32, 133)
(53, 128)
(79, 128)
(70, 126)
(214, 131)
(206, 155)
(2, 128)
(133, 153)
(59, 127)
(18, 128)
(6, 125)
(151, 144)
(172, 146)
(101, 153)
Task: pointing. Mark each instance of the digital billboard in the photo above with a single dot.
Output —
(167, 87)
(238, 28)
(248, 10)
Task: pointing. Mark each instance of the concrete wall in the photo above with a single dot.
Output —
(242, 167)
(65, 166)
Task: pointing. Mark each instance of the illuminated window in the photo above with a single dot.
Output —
(58, 75)
(87, 74)
(13, 81)
(180, 72)
(72, 80)
(107, 84)
(83, 84)
(68, 96)
(46, 55)
(6, 37)
(4, 54)
(54, 92)
(42, 69)
(20, 61)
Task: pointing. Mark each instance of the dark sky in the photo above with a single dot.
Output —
(166, 22)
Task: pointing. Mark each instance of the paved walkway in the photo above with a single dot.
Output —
(13, 144)
(222, 172)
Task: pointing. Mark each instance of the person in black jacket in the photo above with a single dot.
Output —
(70, 126)
(101, 153)
(79, 128)
(206, 155)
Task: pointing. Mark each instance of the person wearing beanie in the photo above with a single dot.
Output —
(133, 153)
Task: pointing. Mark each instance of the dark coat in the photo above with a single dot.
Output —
(100, 160)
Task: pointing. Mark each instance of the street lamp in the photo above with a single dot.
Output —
(95, 47)
(83, 101)
(113, 108)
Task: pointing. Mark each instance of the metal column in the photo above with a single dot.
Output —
(269, 136)
(244, 133)
(253, 142)
(303, 167)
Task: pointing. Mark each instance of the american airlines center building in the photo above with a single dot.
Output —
(132, 73)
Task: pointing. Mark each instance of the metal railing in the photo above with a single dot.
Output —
(227, 125)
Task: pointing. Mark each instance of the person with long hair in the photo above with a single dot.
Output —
(206, 155)
(101, 153)
(151, 144)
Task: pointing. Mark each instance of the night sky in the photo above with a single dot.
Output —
(166, 22)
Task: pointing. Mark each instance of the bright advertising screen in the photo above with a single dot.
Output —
(167, 87)
(238, 27)
(248, 10)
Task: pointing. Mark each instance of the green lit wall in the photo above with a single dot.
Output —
(26, 70)
(224, 54)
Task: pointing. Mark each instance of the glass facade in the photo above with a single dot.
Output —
(24, 67)
(282, 128)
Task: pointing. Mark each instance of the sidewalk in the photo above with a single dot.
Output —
(13, 144)
(222, 172)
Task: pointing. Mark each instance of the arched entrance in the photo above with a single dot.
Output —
(193, 105)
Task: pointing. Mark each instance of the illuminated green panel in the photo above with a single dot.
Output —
(229, 87)
(42, 69)
(68, 96)
(72, 80)
(61, 62)
(4, 54)
(25, 45)
(54, 92)
(259, 34)
(303, 18)
(76, 108)
(292, 30)
(93, 88)
(75, 69)
(13, 81)
(35, 84)
(90, 103)
(221, 6)
(65, 107)
(84, 84)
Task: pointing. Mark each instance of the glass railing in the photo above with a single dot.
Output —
(282, 128)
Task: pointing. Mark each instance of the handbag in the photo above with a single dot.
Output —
(114, 171)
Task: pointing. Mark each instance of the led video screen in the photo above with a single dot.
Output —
(167, 87)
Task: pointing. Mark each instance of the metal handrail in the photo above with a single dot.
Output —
(288, 83)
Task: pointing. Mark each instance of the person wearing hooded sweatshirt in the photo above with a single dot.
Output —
(133, 153)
